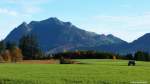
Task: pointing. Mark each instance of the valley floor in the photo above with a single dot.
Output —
(92, 71)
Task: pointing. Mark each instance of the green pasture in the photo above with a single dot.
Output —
(91, 71)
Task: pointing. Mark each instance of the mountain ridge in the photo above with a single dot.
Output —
(55, 36)
(53, 33)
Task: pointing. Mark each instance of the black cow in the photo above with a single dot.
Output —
(131, 62)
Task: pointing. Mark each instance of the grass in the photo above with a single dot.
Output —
(94, 71)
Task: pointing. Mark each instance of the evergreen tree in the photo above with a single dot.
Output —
(2, 46)
(142, 56)
(147, 56)
(129, 56)
(139, 56)
(30, 48)
(10, 45)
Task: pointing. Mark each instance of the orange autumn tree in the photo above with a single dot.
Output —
(6, 56)
(16, 54)
(9, 52)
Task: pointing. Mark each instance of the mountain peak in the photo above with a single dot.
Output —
(110, 35)
(52, 19)
(23, 25)
(33, 22)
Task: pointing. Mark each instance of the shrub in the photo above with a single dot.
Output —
(66, 61)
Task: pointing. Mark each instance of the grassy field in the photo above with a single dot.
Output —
(92, 72)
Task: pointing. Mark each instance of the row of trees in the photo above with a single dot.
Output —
(87, 55)
(10, 52)
(139, 56)
(27, 49)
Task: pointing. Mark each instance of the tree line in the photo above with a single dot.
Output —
(139, 56)
(27, 49)
(87, 55)
(9, 52)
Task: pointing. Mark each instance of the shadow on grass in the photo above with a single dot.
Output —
(138, 65)
(92, 82)
(13, 81)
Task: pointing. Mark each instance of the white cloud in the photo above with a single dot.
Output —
(27, 7)
(8, 12)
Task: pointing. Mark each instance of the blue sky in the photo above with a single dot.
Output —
(127, 19)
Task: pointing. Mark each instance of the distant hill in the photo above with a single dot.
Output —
(54, 36)
(142, 43)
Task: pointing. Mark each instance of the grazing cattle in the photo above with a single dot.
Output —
(131, 62)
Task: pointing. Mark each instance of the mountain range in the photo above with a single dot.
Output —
(54, 35)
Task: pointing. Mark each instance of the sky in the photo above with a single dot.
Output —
(126, 19)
